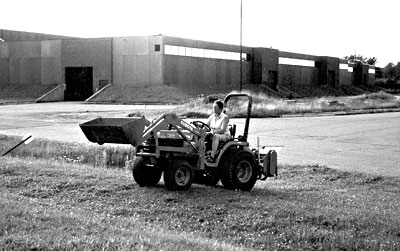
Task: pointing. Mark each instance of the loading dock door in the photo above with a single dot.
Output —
(79, 83)
(331, 78)
(273, 80)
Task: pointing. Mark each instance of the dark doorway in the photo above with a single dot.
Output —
(331, 78)
(79, 83)
(358, 74)
(273, 80)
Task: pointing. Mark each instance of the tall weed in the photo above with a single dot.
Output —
(98, 156)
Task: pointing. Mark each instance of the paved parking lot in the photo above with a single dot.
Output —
(365, 143)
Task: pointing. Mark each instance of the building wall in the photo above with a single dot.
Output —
(298, 74)
(371, 75)
(346, 77)
(285, 54)
(199, 75)
(136, 62)
(4, 64)
(94, 53)
(30, 63)
(294, 75)
(196, 74)
(204, 44)
(20, 63)
(328, 71)
(25, 63)
(51, 62)
(15, 36)
(141, 61)
(266, 67)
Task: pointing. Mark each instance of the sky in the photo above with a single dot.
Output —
(334, 28)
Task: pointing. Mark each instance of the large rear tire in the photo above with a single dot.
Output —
(239, 171)
(178, 176)
(145, 175)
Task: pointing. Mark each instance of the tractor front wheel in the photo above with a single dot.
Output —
(178, 176)
(145, 175)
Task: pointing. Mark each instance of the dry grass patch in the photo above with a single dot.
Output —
(92, 154)
(267, 106)
(128, 94)
(18, 93)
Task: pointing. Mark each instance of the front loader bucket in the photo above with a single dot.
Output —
(114, 130)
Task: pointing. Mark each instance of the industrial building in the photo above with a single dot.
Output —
(81, 67)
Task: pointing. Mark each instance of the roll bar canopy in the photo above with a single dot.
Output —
(249, 106)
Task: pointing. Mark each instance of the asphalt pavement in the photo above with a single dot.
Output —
(367, 143)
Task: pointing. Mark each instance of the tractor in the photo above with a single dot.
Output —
(175, 149)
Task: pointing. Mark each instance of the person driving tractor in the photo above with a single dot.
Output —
(218, 122)
(163, 149)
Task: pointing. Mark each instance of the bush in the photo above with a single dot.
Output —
(380, 82)
(387, 83)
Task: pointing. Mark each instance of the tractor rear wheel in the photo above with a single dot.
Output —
(239, 171)
(178, 176)
(145, 175)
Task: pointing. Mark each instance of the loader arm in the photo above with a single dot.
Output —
(170, 119)
(132, 130)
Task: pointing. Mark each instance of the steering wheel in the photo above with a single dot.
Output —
(201, 125)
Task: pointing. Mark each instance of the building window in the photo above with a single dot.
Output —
(249, 57)
(295, 61)
(181, 51)
(205, 53)
(171, 50)
(157, 47)
(343, 66)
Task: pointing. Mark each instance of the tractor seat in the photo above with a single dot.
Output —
(232, 132)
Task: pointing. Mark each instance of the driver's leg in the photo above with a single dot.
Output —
(208, 140)
(215, 143)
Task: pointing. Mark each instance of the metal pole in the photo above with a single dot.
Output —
(241, 51)
(2, 35)
(112, 61)
(17, 145)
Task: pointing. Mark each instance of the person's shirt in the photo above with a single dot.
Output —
(219, 124)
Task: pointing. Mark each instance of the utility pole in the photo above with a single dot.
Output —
(241, 49)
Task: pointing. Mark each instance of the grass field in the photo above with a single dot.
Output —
(52, 203)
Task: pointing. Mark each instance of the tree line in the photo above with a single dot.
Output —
(391, 72)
